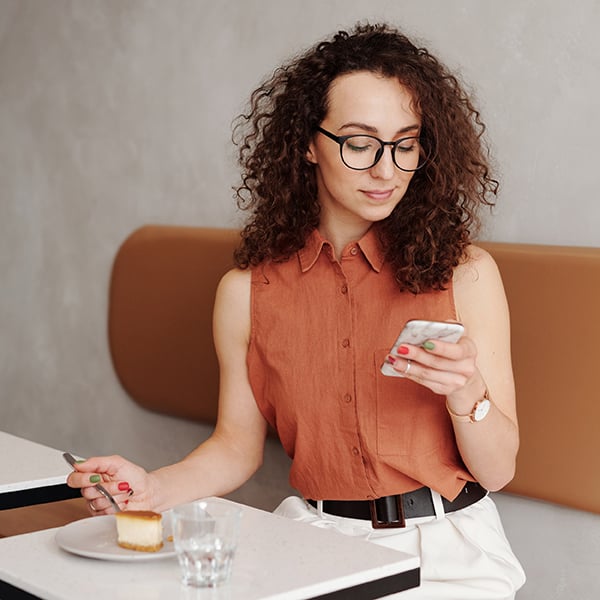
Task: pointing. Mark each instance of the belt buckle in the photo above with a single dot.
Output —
(377, 524)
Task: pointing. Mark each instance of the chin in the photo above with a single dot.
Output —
(379, 213)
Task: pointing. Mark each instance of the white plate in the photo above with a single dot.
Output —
(96, 537)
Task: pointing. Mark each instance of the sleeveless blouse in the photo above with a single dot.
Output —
(320, 331)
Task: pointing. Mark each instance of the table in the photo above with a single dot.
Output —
(31, 473)
(277, 559)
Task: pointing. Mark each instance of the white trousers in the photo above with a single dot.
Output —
(464, 555)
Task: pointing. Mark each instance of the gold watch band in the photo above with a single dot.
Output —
(469, 418)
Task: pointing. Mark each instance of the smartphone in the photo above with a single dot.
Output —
(417, 331)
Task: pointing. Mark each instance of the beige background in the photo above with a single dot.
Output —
(117, 113)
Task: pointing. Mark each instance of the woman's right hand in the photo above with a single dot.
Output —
(130, 485)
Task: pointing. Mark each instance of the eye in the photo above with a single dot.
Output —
(407, 144)
(359, 143)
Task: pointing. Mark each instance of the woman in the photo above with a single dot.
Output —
(363, 169)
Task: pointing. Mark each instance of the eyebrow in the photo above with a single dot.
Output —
(372, 129)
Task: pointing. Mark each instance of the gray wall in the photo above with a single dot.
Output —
(117, 113)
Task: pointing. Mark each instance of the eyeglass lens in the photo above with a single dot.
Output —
(364, 151)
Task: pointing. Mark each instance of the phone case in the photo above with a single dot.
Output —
(417, 331)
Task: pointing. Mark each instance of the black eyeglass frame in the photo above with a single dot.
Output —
(341, 139)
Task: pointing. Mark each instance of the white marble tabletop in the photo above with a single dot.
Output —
(277, 559)
(25, 465)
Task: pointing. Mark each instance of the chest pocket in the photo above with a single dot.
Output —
(410, 419)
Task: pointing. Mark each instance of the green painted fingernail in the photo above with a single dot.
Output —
(94, 478)
(428, 345)
(82, 460)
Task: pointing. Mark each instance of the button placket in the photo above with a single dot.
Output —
(347, 360)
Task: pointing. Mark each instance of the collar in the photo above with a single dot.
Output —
(369, 245)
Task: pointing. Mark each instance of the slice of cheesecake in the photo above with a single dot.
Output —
(139, 530)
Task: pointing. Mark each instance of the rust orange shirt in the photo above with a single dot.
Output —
(321, 328)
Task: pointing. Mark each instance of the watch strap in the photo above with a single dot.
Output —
(468, 418)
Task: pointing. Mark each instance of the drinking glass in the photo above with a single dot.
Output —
(205, 533)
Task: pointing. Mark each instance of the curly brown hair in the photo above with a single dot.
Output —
(426, 235)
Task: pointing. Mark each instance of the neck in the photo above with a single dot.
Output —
(341, 236)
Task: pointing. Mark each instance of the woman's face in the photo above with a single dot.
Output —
(362, 103)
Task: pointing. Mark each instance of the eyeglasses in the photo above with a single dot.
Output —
(362, 152)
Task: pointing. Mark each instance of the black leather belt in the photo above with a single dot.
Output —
(392, 511)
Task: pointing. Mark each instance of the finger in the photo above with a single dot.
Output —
(401, 365)
(120, 491)
(444, 356)
(462, 367)
(97, 502)
(107, 465)
(95, 470)
(96, 506)
(100, 507)
(83, 480)
(438, 381)
(90, 493)
(452, 351)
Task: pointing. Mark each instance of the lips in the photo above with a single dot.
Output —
(379, 195)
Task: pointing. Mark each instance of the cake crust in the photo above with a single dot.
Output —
(129, 546)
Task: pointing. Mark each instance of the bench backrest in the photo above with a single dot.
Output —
(554, 298)
(160, 332)
(162, 292)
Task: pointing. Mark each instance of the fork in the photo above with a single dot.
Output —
(108, 496)
(71, 460)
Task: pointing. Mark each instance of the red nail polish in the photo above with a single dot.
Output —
(126, 501)
(402, 350)
(391, 359)
(123, 486)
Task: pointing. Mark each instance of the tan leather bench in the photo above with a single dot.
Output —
(160, 332)
(161, 298)
(554, 298)
(160, 317)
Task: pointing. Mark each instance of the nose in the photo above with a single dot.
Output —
(385, 167)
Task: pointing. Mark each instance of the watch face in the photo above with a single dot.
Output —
(481, 410)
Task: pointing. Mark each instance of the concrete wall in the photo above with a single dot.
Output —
(117, 113)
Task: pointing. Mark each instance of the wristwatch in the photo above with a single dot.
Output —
(479, 411)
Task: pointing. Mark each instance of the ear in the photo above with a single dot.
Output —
(311, 153)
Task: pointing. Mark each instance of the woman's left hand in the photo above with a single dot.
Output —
(446, 368)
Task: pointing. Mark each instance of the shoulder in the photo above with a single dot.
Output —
(232, 303)
(477, 282)
(477, 267)
(235, 281)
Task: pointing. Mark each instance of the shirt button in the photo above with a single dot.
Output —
(344, 289)
(345, 342)
(355, 451)
(353, 250)
(347, 398)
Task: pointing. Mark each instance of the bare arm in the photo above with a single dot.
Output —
(489, 448)
(235, 450)
(481, 359)
(223, 462)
